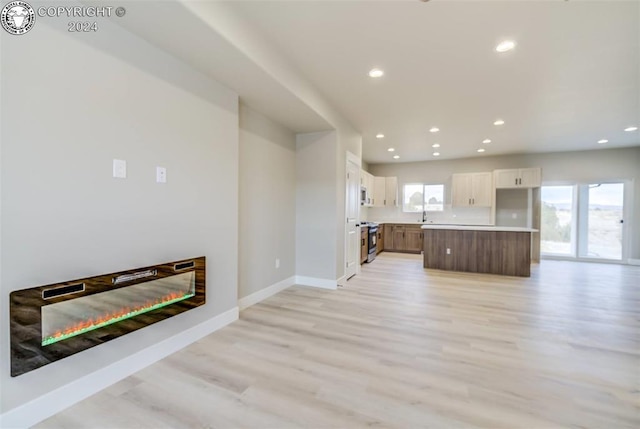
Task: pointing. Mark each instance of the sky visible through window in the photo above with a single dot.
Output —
(418, 197)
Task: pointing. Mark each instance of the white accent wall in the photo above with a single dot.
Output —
(316, 205)
(70, 105)
(267, 203)
(221, 17)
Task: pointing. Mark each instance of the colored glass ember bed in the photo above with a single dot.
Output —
(68, 319)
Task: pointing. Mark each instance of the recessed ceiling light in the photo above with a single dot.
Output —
(435, 145)
(499, 122)
(396, 156)
(603, 141)
(436, 153)
(434, 129)
(376, 73)
(485, 141)
(480, 150)
(629, 129)
(379, 136)
(505, 46)
(390, 149)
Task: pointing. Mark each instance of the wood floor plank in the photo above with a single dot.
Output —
(399, 346)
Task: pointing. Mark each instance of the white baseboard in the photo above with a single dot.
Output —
(316, 282)
(57, 400)
(265, 293)
(634, 261)
(341, 280)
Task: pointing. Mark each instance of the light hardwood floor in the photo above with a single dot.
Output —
(400, 346)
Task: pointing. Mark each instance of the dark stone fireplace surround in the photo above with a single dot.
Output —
(29, 350)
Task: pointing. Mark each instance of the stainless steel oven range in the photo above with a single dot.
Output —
(373, 239)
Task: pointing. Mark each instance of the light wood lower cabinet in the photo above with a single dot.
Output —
(404, 238)
(495, 252)
(380, 239)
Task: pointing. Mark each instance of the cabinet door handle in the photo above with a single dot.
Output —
(516, 181)
(362, 242)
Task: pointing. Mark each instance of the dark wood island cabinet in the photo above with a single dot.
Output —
(493, 250)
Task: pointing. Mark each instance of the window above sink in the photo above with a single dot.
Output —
(419, 197)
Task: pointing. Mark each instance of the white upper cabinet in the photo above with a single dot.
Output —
(368, 182)
(391, 192)
(385, 192)
(379, 191)
(472, 190)
(530, 177)
(518, 178)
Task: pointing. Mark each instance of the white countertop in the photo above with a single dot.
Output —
(459, 227)
(479, 228)
(398, 222)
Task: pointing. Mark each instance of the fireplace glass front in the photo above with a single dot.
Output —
(68, 319)
(54, 321)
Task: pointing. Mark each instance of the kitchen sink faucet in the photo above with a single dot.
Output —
(424, 216)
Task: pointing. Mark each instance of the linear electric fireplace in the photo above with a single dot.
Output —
(52, 322)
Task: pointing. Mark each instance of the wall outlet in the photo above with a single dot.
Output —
(161, 175)
(448, 251)
(277, 263)
(120, 168)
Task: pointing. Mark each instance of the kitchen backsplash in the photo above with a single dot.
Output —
(364, 213)
(450, 215)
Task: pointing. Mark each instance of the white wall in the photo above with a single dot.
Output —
(70, 104)
(316, 205)
(557, 167)
(267, 202)
(221, 17)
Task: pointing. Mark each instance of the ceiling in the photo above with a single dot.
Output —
(209, 52)
(573, 78)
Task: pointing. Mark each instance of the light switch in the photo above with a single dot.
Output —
(161, 175)
(120, 168)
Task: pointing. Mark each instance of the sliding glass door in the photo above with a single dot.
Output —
(558, 219)
(583, 221)
(601, 210)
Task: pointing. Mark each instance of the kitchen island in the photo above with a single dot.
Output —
(478, 249)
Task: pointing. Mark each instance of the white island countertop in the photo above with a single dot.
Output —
(478, 227)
